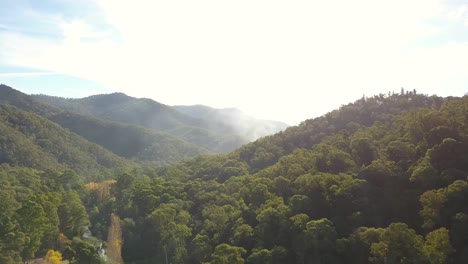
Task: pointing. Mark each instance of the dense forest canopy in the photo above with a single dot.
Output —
(380, 180)
(32, 141)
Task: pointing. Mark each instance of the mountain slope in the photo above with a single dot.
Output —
(363, 112)
(268, 150)
(381, 180)
(122, 108)
(32, 141)
(131, 142)
(210, 132)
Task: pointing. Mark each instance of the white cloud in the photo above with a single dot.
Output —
(286, 60)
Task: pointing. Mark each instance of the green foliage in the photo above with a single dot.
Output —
(432, 203)
(364, 194)
(201, 248)
(382, 180)
(32, 221)
(36, 206)
(437, 246)
(84, 252)
(72, 214)
(263, 256)
(398, 244)
(227, 254)
(32, 141)
(320, 239)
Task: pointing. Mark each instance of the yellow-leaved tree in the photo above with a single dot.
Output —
(53, 257)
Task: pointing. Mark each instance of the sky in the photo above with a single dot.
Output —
(274, 59)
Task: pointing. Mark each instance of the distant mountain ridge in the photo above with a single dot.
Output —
(127, 141)
(139, 130)
(216, 130)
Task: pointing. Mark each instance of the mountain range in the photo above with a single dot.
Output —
(139, 130)
(216, 130)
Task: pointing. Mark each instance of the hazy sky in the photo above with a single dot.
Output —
(282, 60)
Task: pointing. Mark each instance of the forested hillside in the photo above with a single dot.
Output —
(131, 142)
(32, 141)
(380, 180)
(217, 130)
(207, 134)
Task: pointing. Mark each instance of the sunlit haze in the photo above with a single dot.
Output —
(279, 60)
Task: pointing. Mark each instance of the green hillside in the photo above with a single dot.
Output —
(207, 133)
(122, 108)
(131, 142)
(362, 113)
(29, 140)
(380, 180)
